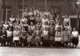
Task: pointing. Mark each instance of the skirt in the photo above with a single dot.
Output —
(75, 41)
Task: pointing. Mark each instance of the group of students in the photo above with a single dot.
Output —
(37, 28)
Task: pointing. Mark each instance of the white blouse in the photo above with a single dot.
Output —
(75, 33)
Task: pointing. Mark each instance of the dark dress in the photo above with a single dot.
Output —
(3, 38)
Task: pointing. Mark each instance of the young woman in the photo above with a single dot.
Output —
(23, 37)
(6, 25)
(66, 21)
(23, 21)
(9, 36)
(12, 19)
(30, 35)
(66, 37)
(58, 34)
(75, 37)
(16, 36)
(68, 28)
(11, 26)
(45, 37)
(37, 35)
(18, 19)
(32, 26)
(32, 19)
(58, 28)
(52, 36)
(17, 25)
(3, 35)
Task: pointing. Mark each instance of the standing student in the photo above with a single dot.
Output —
(66, 21)
(12, 19)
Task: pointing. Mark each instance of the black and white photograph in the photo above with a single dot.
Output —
(39, 27)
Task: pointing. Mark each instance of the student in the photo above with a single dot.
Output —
(69, 28)
(66, 36)
(52, 36)
(18, 19)
(9, 36)
(32, 26)
(30, 35)
(32, 19)
(37, 35)
(66, 21)
(12, 19)
(6, 25)
(16, 36)
(75, 37)
(23, 37)
(3, 35)
(23, 20)
(45, 37)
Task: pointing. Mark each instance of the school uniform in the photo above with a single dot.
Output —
(75, 38)
(9, 36)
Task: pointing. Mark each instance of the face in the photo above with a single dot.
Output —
(74, 29)
(31, 23)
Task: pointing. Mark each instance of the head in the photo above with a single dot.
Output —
(16, 28)
(66, 29)
(12, 15)
(9, 29)
(46, 28)
(66, 16)
(74, 29)
(31, 23)
(17, 16)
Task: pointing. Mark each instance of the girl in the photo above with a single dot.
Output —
(23, 37)
(16, 36)
(45, 37)
(9, 36)
(75, 37)
(12, 19)
(66, 21)
(37, 36)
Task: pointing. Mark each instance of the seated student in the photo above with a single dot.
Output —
(68, 27)
(52, 36)
(46, 25)
(17, 25)
(37, 35)
(66, 36)
(3, 35)
(16, 36)
(12, 19)
(58, 28)
(45, 37)
(30, 35)
(23, 37)
(66, 21)
(32, 26)
(9, 36)
(75, 37)
(38, 25)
